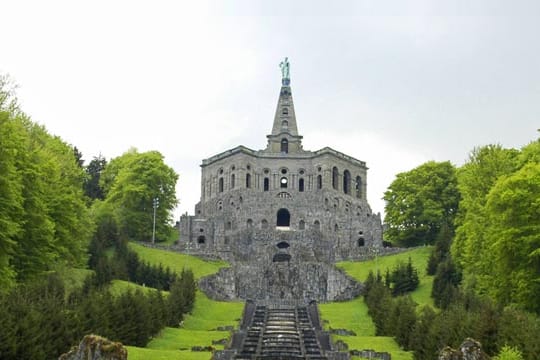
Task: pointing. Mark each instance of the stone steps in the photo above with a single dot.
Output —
(278, 332)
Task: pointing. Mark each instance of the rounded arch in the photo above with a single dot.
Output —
(284, 146)
(283, 217)
(220, 185)
(201, 240)
(301, 184)
(347, 182)
(319, 182)
(249, 223)
(358, 187)
(361, 242)
(317, 225)
(335, 177)
(283, 245)
(264, 224)
(302, 225)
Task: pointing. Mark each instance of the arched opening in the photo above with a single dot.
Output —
(319, 182)
(233, 178)
(317, 225)
(248, 181)
(266, 184)
(358, 187)
(201, 240)
(346, 182)
(264, 224)
(285, 111)
(301, 225)
(283, 245)
(283, 218)
(284, 146)
(285, 124)
(336, 227)
(361, 242)
(283, 182)
(301, 185)
(220, 184)
(249, 223)
(335, 176)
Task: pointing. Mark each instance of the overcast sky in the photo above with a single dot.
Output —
(394, 83)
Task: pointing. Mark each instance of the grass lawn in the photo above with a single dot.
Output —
(176, 261)
(419, 257)
(136, 353)
(118, 287)
(199, 327)
(352, 315)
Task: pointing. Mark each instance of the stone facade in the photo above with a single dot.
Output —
(248, 195)
(282, 216)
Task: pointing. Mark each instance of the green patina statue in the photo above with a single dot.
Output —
(285, 75)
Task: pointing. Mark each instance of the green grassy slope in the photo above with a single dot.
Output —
(419, 257)
(199, 327)
(176, 261)
(352, 315)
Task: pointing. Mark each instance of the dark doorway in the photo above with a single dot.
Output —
(201, 240)
(283, 218)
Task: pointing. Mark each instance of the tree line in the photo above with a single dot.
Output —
(51, 204)
(426, 331)
(483, 221)
(57, 213)
(491, 209)
(41, 321)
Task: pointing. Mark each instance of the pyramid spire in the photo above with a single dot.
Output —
(284, 137)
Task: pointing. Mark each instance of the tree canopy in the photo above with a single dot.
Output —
(498, 231)
(131, 183)
(43, 216)
(419, 201)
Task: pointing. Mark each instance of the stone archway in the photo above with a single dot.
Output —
(283, 218)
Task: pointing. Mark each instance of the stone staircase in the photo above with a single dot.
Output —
(280, 332)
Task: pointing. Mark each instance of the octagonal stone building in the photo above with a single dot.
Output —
(283, 201)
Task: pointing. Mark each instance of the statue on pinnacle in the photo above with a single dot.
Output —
(285, 75)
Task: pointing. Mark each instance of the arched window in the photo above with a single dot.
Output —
(201, 240)
(301, 225)
(361, 242)
(284, 146)
(249, 223)
(284, 124)
(233, 178)
(283, 218)
(283, 182)
(336, 227)
(285, 111)
(248, 181)
(220, 184)
(358, 187)
(266, 184)
(264, 224)
(319, 182)
(301, 185)
(335, 176)
(317, 225)
(346, 182)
